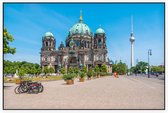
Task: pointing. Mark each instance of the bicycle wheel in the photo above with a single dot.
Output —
(29, 90)
(20, 89)
(16, 90)
(24, 89)
(41, 88)
(36, 90)
(33, 89)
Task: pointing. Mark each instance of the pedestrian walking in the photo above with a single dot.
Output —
(115, 74)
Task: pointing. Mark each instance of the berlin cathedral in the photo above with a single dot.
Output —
(82, 48)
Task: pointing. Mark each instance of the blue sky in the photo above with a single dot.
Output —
(27, 23)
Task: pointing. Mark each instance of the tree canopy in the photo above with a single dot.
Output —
(141, 66)
(29, 68)
(45, 70)
(104, 68)
(6, 39)
(63, 70)
(51, 70)
(157, 69)
(120, 68)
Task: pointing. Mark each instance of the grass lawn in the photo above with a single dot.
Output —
(49, 78)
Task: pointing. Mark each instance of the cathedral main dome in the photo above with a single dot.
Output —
(80, 28)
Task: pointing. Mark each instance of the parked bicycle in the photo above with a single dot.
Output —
(29, 87)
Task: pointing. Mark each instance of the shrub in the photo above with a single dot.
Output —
(103, 73)
(94, 74)
(108, 74)
(84, 69)
(51, 70)
(89, 73)
(68, 76)
(82, 74)
(98, 73)
(70, 70)
(63, 70)
(45, 70)
(103, 68)
(76, 71)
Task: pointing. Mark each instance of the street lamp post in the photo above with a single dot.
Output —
(149, 54)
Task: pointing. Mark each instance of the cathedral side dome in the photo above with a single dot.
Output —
(100, 31)
(48, 34)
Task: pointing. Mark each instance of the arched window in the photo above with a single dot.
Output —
(56, 59)
(85, 43)
(99, 57)
(46, 43)
(87, 32)
(99, 43)
(89, 58)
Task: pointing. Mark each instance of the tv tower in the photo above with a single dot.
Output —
(132, 39)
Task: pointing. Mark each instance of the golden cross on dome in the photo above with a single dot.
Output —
(80, 19)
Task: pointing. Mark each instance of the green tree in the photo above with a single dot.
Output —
(114, 68)
(84, 69)
(82, 74)
(45, 70)
(121, 68)
(51, 70)
(63, 70)
(76, 71)
(96, 70)
(162, 69)
(157, 69)
(6, 39)
(142, 66)
(6, 70)
(28, 70)
(33, 70)
(21, 72)
(70, 70)
(133, 69)
(68, 76)
(104, 68)
(90, 73)
(11, 67)
(39, 70)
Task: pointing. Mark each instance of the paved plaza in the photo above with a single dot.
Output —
(125, 92)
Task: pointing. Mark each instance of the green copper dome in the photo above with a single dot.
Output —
(80, 28)
(100, 31)
(49, 34)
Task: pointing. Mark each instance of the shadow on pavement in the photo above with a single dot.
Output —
(6, 87)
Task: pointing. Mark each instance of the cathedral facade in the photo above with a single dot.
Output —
(82, 48)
